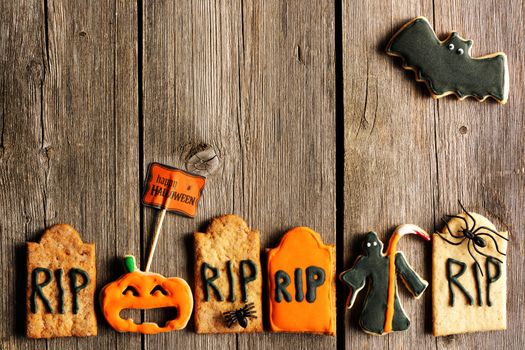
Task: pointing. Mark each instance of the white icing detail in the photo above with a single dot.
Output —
(460, 51)
(375, 243)
(368, 244)
(451, 47)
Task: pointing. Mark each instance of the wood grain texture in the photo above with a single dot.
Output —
(409, 158)
(480, 152)
(69, 132)
(254, 80)
(91, 93)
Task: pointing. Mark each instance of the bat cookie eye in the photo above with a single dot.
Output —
(451, 47)
(375, 243)
(460, 51)
(368, 244)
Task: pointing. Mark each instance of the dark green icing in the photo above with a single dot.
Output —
(36, 288)
(373, 267)
(492, 278)
(298, 280)
(58, 276)
(453, 280)
(207, 282)
(282, 280)
(229, 272)
(448, 66)
(245, 279)
(315, 277)
(75, 289)
(478, 284)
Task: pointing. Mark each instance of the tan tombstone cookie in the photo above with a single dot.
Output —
(469, 276)
(61, 281)
(228, 278)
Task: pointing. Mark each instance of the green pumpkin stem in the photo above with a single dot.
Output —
(129, 263)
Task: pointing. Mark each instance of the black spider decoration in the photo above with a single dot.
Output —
(473, 235)
(240, 316)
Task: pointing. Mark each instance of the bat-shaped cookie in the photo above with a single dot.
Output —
(446, 66)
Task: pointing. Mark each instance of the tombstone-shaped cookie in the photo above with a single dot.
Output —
(301, 273)
(469, 278)
(61, 280)
(228, 282)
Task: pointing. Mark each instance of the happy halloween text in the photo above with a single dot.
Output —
(168, 193)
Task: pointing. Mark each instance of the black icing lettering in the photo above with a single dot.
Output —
(245, 279)
(315, 277)
(75, 289)
(58, 276)
(478, 285)
(298, 279)
(282, 280)
(36, 288)
(229, 272)
(492, 278)
(453, 279)
(207, 282)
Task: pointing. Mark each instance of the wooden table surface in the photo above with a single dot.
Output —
(313, 124)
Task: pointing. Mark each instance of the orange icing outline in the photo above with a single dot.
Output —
(113, 301)
(392, 248)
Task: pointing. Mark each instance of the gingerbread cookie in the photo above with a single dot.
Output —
(301, 273)
(469, 276)
(145, 290)
(447, 66)
(61, 280)
(228, 282)
(382, 311)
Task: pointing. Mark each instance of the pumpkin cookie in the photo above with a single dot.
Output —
(228, 282)
(61, 280)
(145, 290)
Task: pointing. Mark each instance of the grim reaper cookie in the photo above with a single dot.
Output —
(228, 278)
(469, 276)
(447, 67)
(61, 280)
(382, 311)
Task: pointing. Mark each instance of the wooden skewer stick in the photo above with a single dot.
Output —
(158, 226)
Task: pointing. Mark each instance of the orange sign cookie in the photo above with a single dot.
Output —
(173, 189)
(146, 290)
(302, 284)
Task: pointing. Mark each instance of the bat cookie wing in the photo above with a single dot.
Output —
(446, 67)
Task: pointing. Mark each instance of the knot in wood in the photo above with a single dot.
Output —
(203, 161)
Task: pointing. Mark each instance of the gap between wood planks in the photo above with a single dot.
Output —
(339, 170)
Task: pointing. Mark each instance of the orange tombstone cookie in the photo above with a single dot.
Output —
(302, 284)
(145, 290)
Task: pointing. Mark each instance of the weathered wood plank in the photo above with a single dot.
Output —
(189, 98)
(91, 125)
(69, 130)
(22, 158)
(287, 123)
(255, 81)
(413, 175)
(480, 151)
(390, 156)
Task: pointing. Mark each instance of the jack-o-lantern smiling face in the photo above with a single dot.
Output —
(145, 290)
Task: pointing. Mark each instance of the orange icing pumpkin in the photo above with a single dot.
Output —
(146, 290)
(302, 284)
